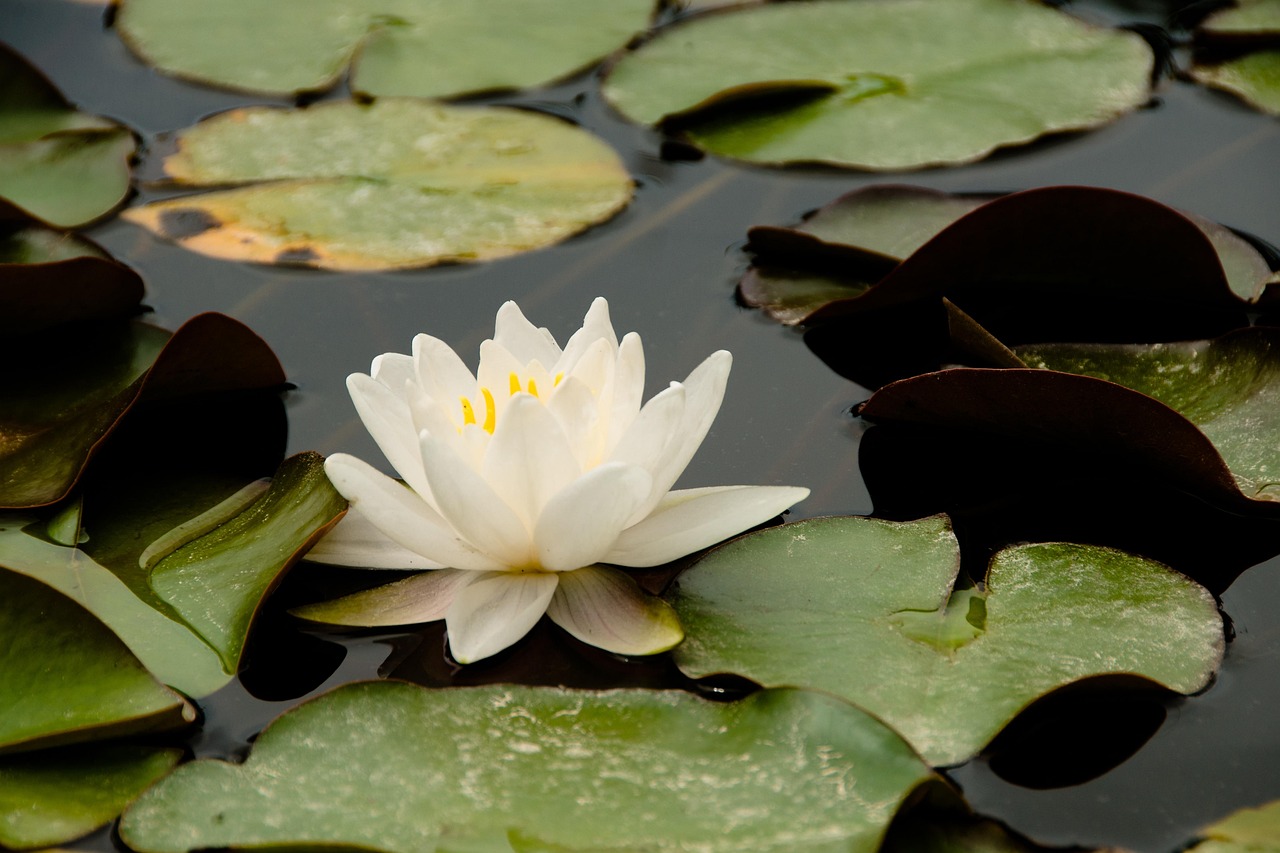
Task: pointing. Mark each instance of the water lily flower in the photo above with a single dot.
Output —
(527, 485)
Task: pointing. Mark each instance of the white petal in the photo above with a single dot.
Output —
(402, 516)
(421, 598)
(473, 508)
(522, 339)
(495, 610)
(579, 525)
(392, 369)
(439, 371)
(577, 411)
(704, 391)
(628, 389)
(497, 365)
(654, 436)
(387, 418)
(594, 367)
(529, 459)
(595, 327)
(606, 608)
(688, 520)
(357, 543)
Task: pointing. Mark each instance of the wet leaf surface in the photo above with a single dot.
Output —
(1238, 51)
(424, 48)
(62, 166)
(56, 417)
(868, 610)
(55, 796)
(423, 768)
(397, 183)
(1254, 77)
(65, 678)
(1253, 830)
(880, 85)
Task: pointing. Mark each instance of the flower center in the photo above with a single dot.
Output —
(515, 386)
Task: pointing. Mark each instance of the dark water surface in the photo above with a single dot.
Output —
(668, 265)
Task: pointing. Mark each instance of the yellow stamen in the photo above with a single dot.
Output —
(559, 376)
(515, 384)
(468, 413)
(490, 413)
(533, 388)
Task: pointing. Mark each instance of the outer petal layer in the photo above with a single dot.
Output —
(495, 610)
(606, 608)
(421, 598)
(688, 520)
(579, 524)
(357, 543)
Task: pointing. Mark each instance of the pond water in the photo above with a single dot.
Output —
(668, 265)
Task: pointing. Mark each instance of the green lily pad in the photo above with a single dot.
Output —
(455, 770)
(1245, 18)
(1229, 388)
(55, 418)
(64, 167)
(55, 796)
(65, 678)
(398, 183)
(869, 610)
(1254, 77)
(1255, 830)
(880, 85)
(424, 48)
(50, 277)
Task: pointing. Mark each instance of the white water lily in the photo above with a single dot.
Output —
(522, 481)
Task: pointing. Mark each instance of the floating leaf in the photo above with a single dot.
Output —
(1245, 18)
(54, 796)
(456, 769)
(57, 415)
(1254, 830)
(65, 678)
(1255, 77)
(868, 610)
(1240, 52)
(50, 277)
(425, 48)
(880, 85)
(59, 165)
(397, 183)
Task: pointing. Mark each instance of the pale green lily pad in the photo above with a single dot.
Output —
(1244, 18)
(424, 48)
(880, 84)
(393, 767)
(55, 796)
(398, 183)
(64, 678)
(1228, 388)
(1255, 77)
(59, 165)
(866, 609)
(1255, 830)
(179, 577)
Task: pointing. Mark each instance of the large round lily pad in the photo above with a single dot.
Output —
(880, 84)
(869, 610)
(397, 183)
(62, 166)
(394, 767)
(1241, 52)
(426, 48)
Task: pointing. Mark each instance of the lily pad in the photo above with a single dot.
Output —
(1254, 77)
(50, 277)
(1244, 19)
(869, 610)
(56, 417)
(55, 796)
(424, 48)
(456, 769)
(64, 167)
(880, 85)
(398, 183)
(65, 678)
(1255, 830)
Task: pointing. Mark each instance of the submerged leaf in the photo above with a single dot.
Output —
(424, 48)
(398, 183)
(880, 85)
(59, 165)
(64, 678)
(423, 770)
(844, 605)
(54, 796)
